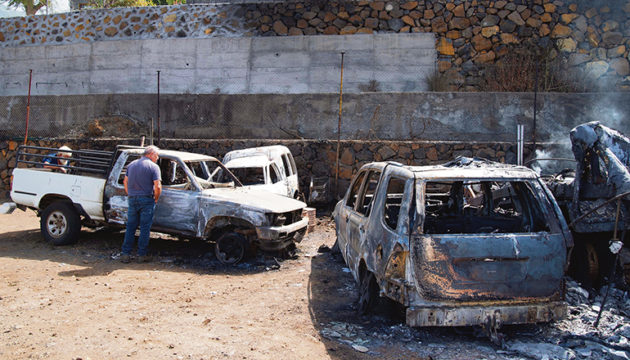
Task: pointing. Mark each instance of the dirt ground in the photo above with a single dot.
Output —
(80, 302)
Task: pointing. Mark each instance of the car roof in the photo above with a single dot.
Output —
(463, 168)
(270, 151)
(249, 161)
(184, 156)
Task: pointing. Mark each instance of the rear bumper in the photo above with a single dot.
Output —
(480, 315)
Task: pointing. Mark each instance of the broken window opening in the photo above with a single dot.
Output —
(393, 202)
(123, 172)
(249, 175)
(368, 193)
(470, 207)
(354, 192)
(173, 175)
(274, 174)
(287, 167)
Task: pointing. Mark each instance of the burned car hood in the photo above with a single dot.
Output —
(255, 199)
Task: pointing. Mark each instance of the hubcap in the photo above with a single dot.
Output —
(56, 224)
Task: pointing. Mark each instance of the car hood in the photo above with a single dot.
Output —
(255, 199)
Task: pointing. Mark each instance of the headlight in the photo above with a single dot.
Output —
(277, 219)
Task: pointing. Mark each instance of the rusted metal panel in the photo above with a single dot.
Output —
(462, 315)
(489, 267)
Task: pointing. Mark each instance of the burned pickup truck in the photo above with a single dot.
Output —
(469, 242)
(200, 199)
(593, 195)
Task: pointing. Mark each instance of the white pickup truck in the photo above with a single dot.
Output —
(200, 199)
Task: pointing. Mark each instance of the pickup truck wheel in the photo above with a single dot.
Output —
(60, 224)
(368, 293)
(230, 248)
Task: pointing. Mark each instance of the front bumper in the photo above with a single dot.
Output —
(480, 315)
(279, 237)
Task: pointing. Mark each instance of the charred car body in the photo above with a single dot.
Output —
(200, 199)
(591, 196)
(465, 243)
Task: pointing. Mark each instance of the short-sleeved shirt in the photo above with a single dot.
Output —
(140, 176)
(51, 160)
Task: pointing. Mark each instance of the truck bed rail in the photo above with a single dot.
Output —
(81, 162)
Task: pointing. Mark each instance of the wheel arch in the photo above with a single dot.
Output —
(219, 224)
(48, 199)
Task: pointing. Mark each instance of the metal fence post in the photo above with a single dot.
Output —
(28, 104)
(339, 130)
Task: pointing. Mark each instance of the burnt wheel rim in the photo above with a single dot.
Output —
(57, 224)
(230, 250)
(365, 293)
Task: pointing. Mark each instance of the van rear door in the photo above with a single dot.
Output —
(487, 240)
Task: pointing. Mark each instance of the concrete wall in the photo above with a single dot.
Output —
(587, 40)
(290, 65)
(390, 116)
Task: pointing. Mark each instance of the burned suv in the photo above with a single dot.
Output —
(470, 242)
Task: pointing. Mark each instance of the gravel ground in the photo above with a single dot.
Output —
(79, 301)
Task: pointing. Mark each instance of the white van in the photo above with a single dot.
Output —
(271, 168)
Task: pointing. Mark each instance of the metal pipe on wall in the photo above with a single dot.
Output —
(158, 109)
(28, 104)
(520, 135)
(339, 129)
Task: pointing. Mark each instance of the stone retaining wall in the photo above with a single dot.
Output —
(594, 35)
(313, 158)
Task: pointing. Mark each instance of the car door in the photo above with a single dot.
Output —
(277, 182)
(115, 204)
(389, 223)
(291, 174)
(344, 210)
(358, 217)
(177, 209)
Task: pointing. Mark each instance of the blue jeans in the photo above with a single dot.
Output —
(140, 212)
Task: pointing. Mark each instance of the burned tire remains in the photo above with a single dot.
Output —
(230, 248)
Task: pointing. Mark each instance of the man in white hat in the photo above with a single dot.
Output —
(52, 161)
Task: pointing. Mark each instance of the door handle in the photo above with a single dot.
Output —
(347, 218)
(361, 228)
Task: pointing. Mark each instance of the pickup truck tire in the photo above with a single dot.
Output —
(230, 248)
(60, 223)
(368, 293)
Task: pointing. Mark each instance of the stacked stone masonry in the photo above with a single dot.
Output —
(313, 158)
(594, 35)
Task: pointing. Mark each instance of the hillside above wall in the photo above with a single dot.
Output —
(592, 37)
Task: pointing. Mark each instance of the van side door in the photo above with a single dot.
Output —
(291, 174)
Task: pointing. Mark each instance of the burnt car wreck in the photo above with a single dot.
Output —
(593, 198)
(470, 242)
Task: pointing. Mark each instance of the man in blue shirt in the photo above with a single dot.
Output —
(143, 185)
(52, 161)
